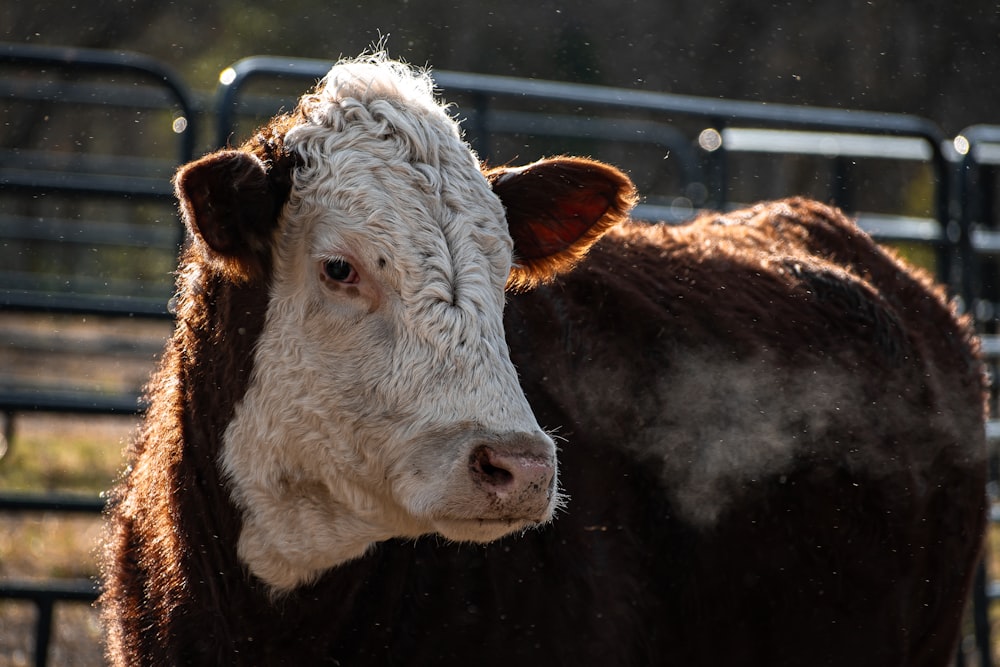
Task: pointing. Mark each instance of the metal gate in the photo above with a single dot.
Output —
(685, 153)
(64, 199)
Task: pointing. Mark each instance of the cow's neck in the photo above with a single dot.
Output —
(203, 376)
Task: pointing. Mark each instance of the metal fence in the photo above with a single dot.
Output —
(715, 150)
(90, 141)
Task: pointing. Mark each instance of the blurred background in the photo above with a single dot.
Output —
(89, 234)
(940, 60)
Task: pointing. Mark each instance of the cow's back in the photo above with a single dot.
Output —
(773, 441)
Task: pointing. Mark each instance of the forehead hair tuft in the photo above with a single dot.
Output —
(377, 77)
(381, 98)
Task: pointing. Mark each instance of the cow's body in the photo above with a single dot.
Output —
(772, 450)
(784, 425)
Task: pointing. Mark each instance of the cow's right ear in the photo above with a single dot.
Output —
(230, 209)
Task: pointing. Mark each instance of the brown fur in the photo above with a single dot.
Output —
(858, 550)
(171, 516)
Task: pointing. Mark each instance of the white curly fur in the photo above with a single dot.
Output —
(356, 425)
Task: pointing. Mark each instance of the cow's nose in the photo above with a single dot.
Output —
(513, 470)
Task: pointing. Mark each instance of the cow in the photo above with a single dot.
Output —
(769, 429)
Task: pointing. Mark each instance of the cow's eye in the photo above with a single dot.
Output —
(340, 270)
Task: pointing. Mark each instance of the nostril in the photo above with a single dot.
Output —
(515, 470)
(486, 467)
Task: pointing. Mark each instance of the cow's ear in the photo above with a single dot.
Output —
(230, 209)
(556, 209)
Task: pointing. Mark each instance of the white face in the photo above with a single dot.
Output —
(383, 401)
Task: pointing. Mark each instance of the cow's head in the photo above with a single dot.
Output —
(383, 402)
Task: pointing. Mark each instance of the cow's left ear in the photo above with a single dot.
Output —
(230, 208)
(556, 209)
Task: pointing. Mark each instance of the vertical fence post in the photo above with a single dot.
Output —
(43, 630)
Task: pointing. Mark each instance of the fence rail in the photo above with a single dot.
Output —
(40, 185)
(959, 226)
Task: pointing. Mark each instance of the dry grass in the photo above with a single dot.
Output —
(76, 636)
(63, 454)
(66, 454)
(993, 574)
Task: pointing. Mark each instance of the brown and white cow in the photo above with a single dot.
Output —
(771, 430)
